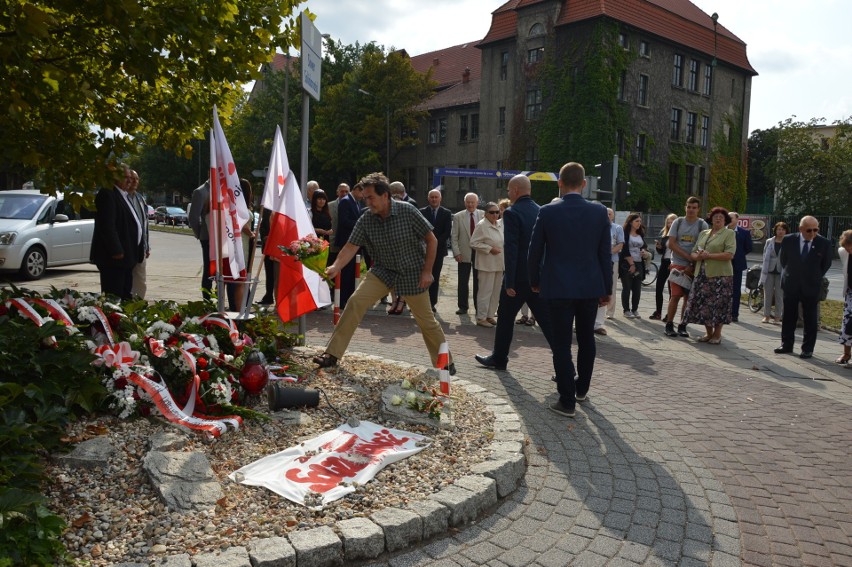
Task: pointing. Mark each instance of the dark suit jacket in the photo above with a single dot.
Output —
(518, 222)
(115, 232)
(744, 246)
(348, 212)
(572, 238)
(804, 276)
(441, 227)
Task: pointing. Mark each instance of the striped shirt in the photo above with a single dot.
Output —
(396, 244)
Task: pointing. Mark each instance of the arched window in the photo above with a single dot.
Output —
(536, 30)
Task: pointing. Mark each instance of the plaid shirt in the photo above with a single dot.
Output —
(396, 245)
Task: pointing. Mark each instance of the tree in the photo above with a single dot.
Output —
(81, 80)
(814, 170)
(163, 171)
(762, 156)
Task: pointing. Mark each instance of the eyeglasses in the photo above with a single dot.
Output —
(492, 212)
(810, 230)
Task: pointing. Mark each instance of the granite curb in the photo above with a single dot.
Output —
(391, 530)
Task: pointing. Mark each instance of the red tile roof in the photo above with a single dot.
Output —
(680, 21)
(448, 65)
(454, 95)
(278, 61)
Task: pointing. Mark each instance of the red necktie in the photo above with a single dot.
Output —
(472, 223)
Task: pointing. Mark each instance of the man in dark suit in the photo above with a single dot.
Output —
(572, 239)
(441, 219)
(117, 244)
(518, 221)
(805, 258)
(348, 213)
(744, 247)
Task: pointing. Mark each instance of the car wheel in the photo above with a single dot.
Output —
(34, 264)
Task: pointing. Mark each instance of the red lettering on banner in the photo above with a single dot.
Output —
(382, 442)
(327, 474)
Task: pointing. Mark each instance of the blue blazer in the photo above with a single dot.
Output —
(518, 221)
(570, 250)
(804, 276)
(744, 246)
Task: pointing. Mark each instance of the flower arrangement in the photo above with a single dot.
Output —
(421, 397)
(311, 251)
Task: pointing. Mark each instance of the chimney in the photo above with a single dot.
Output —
(466, 75)
(435, 62)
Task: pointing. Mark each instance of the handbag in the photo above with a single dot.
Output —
(680, 277)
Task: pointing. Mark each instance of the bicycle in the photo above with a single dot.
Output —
(650, 270)
(755, 299)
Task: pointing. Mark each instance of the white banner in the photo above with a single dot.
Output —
(323, 469)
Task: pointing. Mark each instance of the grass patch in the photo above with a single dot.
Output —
(830, 312)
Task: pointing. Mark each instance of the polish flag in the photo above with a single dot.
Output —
(228, 209)
(300, 290)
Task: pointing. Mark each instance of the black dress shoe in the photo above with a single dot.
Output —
(461, 311)
(489, 362)
(806, 355)
(783, 350)
(452, 369)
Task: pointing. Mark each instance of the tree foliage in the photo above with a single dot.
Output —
(762, 157)
(728, 168)
(164, 171)
(814, 172)
(81, 80)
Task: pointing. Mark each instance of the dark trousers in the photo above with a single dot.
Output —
(269, 272)
(737, 294)
(347, 282)
(508, 310)
(436, 275)
(810, 317)
(630, 285)
(116, 281)
(206, 282)
(662, 279)
(465, 268)
(564, 314)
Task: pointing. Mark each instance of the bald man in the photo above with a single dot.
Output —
(518, 221)
(805, 257)
(463, 224)
(441, 219)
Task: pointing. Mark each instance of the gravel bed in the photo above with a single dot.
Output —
(114, 514)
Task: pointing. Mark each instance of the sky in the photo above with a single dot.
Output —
(802, 51)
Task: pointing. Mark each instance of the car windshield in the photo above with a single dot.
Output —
(20, 206)
(175, 211)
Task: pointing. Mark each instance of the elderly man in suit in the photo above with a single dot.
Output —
(342, 191)
(464, 222)
(518, 221)
(744, 247)
(805, 258)
(117, 241)
(442, 225)
(570, 263)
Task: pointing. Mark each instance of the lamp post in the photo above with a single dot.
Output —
(705, 190)
(387, 132)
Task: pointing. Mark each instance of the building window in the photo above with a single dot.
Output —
(644, 49)
(677, 71)
(463, 128)
(643, 90)
(690, 178)
(705, 131)
(691, 123)
(702, 181)
(641, 148)
(694, 68)
(504, 65)
(438, 131)
(622, 82)
(474, 126)
(532, 159)
(433, 131)
(535, 55)
(533, 109)
(675, 133)
(430, 176)
(536, 30)
(501, 120)
(708, 79)
(674, 178)
(622, 41)
(621, 144)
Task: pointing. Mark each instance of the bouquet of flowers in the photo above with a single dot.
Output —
(311, 251)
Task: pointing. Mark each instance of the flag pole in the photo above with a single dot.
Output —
(217, 221)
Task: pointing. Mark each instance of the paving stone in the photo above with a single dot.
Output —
(434, 516)
(402, 528)
(232, 557)
(90, 454)
(362, 539)
(460, 502)
(184, 481)
(271, 552)
(317, 547)
(181, 560)
(503, 472)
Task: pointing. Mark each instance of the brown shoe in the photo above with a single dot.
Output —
(600, 331)
(325, 360)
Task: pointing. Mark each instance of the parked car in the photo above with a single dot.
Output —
(170, 215)
(151, 212)
(39, 231)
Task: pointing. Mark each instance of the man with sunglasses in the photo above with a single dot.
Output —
(805, 258)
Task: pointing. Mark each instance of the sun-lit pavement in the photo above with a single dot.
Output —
(685, 453)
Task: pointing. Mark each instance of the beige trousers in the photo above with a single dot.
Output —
(368, 293)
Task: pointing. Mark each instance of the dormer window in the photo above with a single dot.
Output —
(536, 30)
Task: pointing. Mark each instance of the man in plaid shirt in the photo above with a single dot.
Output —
(403, 248)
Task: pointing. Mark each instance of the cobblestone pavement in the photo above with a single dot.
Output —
(685, 454)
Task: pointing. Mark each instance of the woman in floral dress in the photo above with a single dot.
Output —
(710, 296)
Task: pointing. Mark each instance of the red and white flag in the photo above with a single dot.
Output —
(300, 290)
(228, 209)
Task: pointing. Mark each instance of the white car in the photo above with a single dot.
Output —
(39, 231)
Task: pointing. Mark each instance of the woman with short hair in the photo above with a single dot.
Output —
(770, 274)
(487, 241)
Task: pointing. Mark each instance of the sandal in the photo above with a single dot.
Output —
(325, 360)
(704, 339)
(397, 307)
(843, 359)
(530, 322)
(522, 320)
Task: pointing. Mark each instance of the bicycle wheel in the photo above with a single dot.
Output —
(755, 300)
(650, 274)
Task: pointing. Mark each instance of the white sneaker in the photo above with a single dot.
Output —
(628, 315)
(636, 315)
